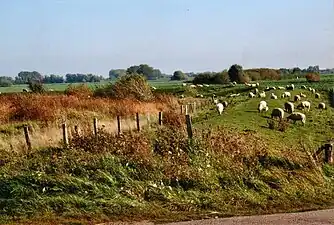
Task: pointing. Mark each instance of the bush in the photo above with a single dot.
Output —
(263, 74)
(312, 77)
(237, 74)
(282, 125)
(212, 78)
(178, 75)
(36, 87)
(130, 86)
(81, 91)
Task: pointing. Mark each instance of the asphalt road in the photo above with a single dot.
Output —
(321, 217)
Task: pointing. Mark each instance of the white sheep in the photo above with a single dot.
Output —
(273, 96)
(181, 96)
(322, 105)
(289, 107)
(304, 105)
(234, 95)
(184, 84)
(220, 108)
(225, 103)
(256, 91)
(313, 91)
(206, 85)
(317, 95)
(154, 88)
(297, 116)
(193, 86)
(303, 87)
(290, 87)
(302, 95)
(280, 88)
(287, 94)
(215, 101)
(277, 112)
(262, 106)
(257, 84)
(262, 94)
(297, 98)
(199, 85)
(251, 95)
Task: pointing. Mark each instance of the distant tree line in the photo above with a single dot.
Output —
(27, 77)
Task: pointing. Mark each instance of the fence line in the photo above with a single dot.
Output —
(190, 108)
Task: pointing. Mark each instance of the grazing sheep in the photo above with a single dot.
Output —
(297, 98)
(273, 96)
(215, 101)
(225, 103)
(302, 95)
(290, 87)
(184, 84)
(251, 95)
(199, 85)
(181, 96)
(154, 88)
(51, 90)
(206, 85)
(317, 95)
(303, 87)
(256, 91)
(277, 112)
(322, 105)
(313, 91)
(257, 84)
(267, 89)
(280, 88)
(304, 105)
(262, 94)
(289, 107)
(25, 90)
(297, 116)
(220, 108)
(262, 106)
(287, 94)
(233, 83)
(234, 95)
(192, 86)
(310, 89)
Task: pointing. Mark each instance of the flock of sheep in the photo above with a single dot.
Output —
(289, 106)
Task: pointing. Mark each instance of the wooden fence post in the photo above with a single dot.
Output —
(137, 120)
(181, 109)
(119, 131)
(76, 130)
(328, 153)
(160, 118)
(65, 134)
(186, 109)
(27, 137)
(95, 126)
(189, 127)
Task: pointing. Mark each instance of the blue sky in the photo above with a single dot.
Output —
(93, 36)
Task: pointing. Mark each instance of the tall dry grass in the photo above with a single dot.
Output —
(49, 108)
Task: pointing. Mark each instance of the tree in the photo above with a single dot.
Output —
(178, 75)
(36, 87)
(80, 78)
(24, 77)
(236, 74)
(6, 81)
(116, 73)
(53, 79)
(296, 70)
(147, 71)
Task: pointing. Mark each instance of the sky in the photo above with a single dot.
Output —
(94, 36)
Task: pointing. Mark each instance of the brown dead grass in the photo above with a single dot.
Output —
(49, 108)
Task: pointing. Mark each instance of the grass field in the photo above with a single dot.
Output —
(235, 165)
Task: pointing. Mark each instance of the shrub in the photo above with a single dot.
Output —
(237, 74)
(212, 78)
(130, 86)
(36, 87)
(263, 74)
(173, 119)
(281, 125)
(312, 77)
(81, 91)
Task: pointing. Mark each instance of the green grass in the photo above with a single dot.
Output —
(241, 168)
(242, 115)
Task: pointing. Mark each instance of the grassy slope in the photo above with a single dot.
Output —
(243, 115)
(78, 185)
